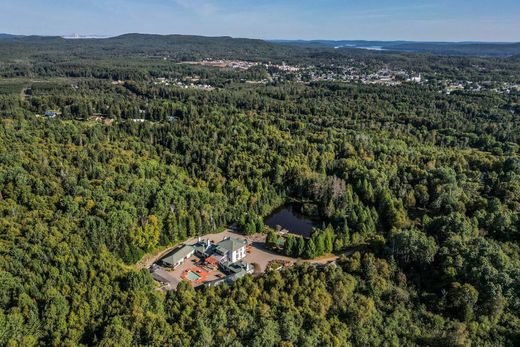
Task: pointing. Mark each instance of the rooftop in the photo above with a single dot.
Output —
(232, 244)
(177, 255)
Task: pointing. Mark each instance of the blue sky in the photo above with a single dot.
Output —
(446, 20)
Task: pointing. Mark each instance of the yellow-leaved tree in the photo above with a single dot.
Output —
(147, 236)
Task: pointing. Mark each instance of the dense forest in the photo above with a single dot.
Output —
(421, 188)
(483, 49)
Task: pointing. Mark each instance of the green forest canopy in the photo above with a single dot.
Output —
(425, 185)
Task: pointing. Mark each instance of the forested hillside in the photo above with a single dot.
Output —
(481, 49)
(420, 187)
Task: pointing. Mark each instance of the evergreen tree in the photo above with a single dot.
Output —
(319, 241)
(300, 247)
(272, 239)
(260, 225)
(310, 249)
(289, 245)
(328, 239)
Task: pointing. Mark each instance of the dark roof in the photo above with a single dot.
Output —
(159, 278)
(236, 268)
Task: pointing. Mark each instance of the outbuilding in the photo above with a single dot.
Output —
(178, 256)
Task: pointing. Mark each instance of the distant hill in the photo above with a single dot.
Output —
(179, 47)
(9, 36)
(27, 38)
(79, 36)
(441, 48)
(41, 49)
(155, 41)
(167, 44)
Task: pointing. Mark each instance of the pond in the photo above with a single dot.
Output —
(290, 219)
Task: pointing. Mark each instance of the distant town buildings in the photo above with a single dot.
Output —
(51, 114)
(187, 83)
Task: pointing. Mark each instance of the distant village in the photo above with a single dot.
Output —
(470, 86)
(278, 72)
(306, 74)
(185, 84)
(356, 73)
(243, 65)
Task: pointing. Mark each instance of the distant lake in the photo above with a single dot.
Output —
(290, 219)
(370, 48)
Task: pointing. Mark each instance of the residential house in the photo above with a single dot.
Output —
(203, 248)
(233, 249)
(234, 272)
(51, 114)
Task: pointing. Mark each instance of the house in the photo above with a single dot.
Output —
(416, 79)
(212, 262)
(202, 248)
(233, 249)
(96, 118)
(239, 268)
(51, 114)
(215, 283)
(178, 256)
(234, 271)
(227, 251)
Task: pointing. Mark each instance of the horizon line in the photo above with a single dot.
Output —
(77, 36)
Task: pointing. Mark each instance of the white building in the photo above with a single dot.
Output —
(416, 79)
(234, 249)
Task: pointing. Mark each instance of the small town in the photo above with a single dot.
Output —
(356, 73)
(185, 84)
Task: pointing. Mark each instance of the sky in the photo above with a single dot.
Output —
(419, 20)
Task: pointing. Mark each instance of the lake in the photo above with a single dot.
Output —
(290, 219)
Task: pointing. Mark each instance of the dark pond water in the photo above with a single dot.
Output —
(290, 219)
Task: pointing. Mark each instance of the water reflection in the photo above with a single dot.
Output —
(290, 219)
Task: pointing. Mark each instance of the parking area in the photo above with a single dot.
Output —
(260, 256)
(167, 280)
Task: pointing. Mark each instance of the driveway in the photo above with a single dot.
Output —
(169, 281)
